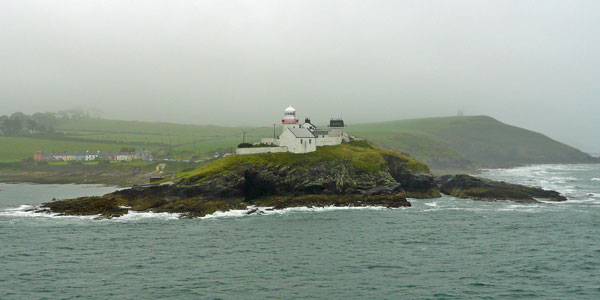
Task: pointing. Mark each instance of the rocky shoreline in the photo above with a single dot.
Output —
(355, 174)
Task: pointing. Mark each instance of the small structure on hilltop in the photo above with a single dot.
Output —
(299, 138)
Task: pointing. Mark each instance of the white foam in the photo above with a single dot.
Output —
(595, 179)
(234, 213)
(432, 204)
(271, 211)
(27, 211)
(139, 215)
(30, 211)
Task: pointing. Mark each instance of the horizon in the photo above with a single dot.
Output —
(528, 64)
(249, 126)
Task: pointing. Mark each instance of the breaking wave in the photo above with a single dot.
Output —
(253, 210)
(32, 211)
(25, 211)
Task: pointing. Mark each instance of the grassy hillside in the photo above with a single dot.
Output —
(450, 143)
(19, 148)
(183, 141)
(170, 140)
(361, 154)
(467, 142)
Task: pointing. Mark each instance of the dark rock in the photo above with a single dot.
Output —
(393, 188)
(465, 186)
(335, 182)
(254, 211)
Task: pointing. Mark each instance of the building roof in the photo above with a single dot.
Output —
(301, 132)
(336, 123)
(321, 132)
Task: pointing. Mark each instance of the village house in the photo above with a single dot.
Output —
(92, 156)
(89, 156)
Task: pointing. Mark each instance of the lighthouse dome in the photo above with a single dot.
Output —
(290, 110)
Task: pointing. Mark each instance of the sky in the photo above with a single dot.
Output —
(533, 64)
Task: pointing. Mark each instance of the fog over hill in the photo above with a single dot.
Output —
(531, 64)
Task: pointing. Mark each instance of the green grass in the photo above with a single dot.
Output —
(19, 148)
(181, 140)
(364, 155)
(443, 143)
(454, 142)
(178, 141)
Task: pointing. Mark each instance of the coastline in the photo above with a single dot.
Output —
(120, 179)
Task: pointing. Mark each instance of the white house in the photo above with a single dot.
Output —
(89, 156)
(298, 140)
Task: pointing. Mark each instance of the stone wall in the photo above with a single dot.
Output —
(244, 151)
(329, 141)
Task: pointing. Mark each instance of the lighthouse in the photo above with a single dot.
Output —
(289, 119)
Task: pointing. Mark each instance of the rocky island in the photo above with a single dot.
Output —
(351, 174)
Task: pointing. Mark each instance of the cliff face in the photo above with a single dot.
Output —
(325, 178)
(354, 168)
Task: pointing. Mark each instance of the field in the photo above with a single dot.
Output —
(19, 148)
(450, 143)
(180, 140)
(177, 141)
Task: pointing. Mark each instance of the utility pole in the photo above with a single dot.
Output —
(244, 138)
(274, 132)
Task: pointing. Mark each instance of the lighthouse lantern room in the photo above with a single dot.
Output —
(289, 118)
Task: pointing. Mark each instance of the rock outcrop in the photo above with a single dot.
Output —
(465, 186)
(354, 174)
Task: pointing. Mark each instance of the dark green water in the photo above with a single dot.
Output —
(438, 249)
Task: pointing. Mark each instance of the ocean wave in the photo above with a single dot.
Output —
(28, 211)
(254, 210)
(140, 215)
(32, 211)
(595, 179)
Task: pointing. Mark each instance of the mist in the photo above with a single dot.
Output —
(527, 63)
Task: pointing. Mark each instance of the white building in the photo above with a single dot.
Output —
(300, 138)
(91, 156)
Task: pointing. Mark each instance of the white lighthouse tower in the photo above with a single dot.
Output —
(289, 119)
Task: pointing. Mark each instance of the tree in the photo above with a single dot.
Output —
(12, 126)
(47, 119)
(18, 115)
(31, 125)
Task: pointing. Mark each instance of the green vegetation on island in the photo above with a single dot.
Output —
(361, 154)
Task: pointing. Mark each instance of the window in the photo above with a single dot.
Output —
(310, 141)
(300, 141)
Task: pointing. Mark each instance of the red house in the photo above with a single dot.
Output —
(38, 156)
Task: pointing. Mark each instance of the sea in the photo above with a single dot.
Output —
(445, 248)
